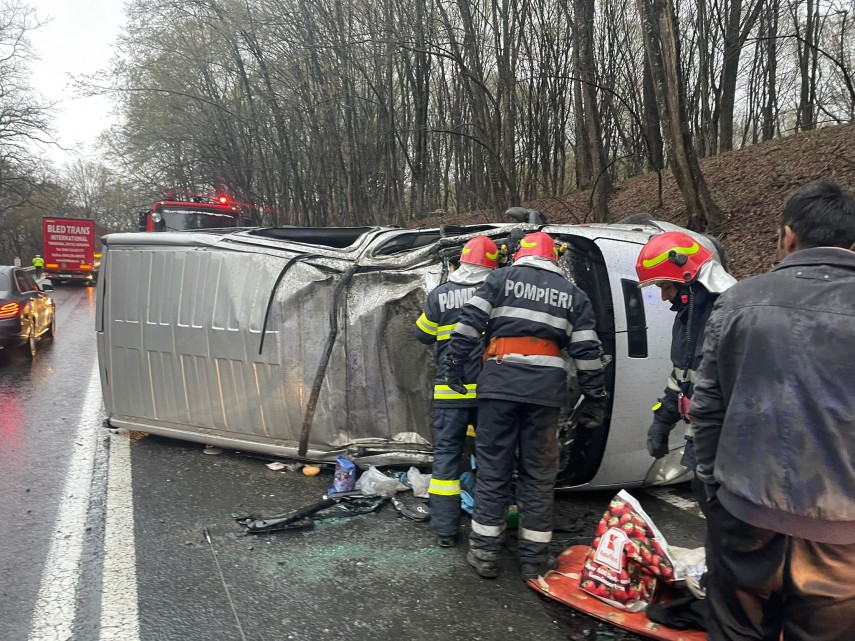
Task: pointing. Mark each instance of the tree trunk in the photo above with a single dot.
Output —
(805, 119)
(583, 157)
(661, 42)
(599, 170)
(735, 34)
(652, 129)
(770, 106)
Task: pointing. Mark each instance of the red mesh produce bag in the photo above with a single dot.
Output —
(627, 557)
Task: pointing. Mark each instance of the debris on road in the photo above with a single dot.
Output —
(332, 505)
(417, 511)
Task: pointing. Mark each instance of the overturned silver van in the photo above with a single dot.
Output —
(299, 342)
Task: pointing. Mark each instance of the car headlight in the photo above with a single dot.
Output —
(156, 217)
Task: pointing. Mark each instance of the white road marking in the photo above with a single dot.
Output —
(664, 494)
(119, 606)
(55, 609)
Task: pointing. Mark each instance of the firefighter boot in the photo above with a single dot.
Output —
(447, 540)
(534, 570)
(486, 568)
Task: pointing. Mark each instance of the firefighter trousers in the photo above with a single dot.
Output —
(449, 439)
(510, 436)
(761, 583)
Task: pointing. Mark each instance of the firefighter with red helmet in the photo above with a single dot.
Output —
(530, 315)
(453, 412)
(689, 278)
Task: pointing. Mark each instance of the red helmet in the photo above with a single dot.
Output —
(673, 256)
(537, 244)
(480, 251)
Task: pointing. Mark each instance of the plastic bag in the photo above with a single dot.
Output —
(467, 492)
(627, 557)
(375, 483)
(419, 482)
(692, 563)
(345, 475)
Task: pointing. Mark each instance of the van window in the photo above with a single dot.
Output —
(406, 241)
(636, 323)
(335, 237)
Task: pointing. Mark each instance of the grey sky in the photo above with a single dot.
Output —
(79, 39)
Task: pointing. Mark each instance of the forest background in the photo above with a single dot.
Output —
(420, 112)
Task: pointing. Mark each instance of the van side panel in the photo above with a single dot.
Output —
(180, 347)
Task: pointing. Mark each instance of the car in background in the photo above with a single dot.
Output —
(27, 313)
(299, 341)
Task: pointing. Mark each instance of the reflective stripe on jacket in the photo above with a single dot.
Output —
(687, 347)
(532, 298)
(441, 311)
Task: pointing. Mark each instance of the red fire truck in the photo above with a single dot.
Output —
(196, 213)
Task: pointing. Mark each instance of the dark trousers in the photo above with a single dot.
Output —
(449, 438)
(522, 436)
(762, 583)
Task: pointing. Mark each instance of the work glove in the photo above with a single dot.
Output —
(657, 439)
(455, 376)
(457, 385)
(592, 413)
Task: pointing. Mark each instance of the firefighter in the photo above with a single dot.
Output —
(38, 263)
(453, 412)
(691, 280)
(529, 312)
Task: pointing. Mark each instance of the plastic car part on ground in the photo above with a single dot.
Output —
(345, 504)
(562, 584)
(415, 510)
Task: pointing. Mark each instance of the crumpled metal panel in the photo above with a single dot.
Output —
(183, 348)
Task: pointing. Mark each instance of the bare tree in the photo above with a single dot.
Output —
(589, 111)
(661, 39)
(24, 119)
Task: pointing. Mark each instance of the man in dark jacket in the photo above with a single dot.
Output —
(774, 420)
(529, 312)
(691, 280)
(452, 412)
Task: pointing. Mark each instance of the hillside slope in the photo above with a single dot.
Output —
(750, 185)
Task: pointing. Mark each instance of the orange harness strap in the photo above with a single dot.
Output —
(525, 345)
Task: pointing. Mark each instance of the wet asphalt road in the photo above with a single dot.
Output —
(104, 535)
